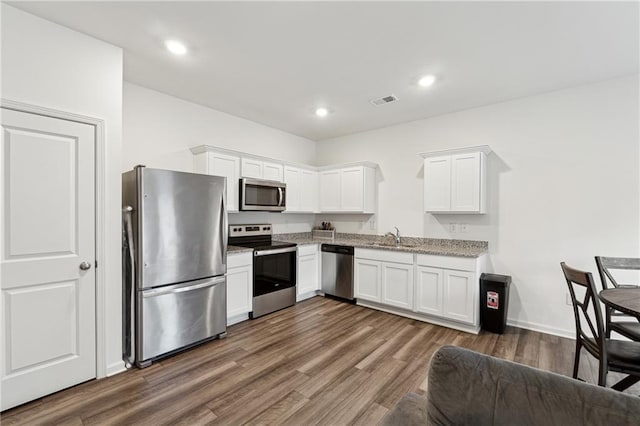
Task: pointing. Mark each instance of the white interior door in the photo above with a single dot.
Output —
(48, 322)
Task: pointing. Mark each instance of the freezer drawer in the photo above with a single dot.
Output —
(179, 315)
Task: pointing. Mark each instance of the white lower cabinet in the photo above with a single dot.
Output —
(429, 289)
(368, 279)
(397, 284)
(385, 277)
(239, 286)
(439, 289)
(308, 271)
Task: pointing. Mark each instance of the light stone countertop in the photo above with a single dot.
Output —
(441, 247)
(237, 249)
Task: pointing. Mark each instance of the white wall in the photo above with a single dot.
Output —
(563, 186)
(159, 129)
(49, 65)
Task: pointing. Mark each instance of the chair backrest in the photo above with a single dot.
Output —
(587, 308)
(608, 264)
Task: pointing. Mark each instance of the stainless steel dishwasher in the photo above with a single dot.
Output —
(337, 271)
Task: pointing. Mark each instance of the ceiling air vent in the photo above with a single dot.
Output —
(384, 100)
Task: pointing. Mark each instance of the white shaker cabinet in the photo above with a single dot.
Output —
(221, 164)
(348, 189)
(459, 291)
(330, 190)
(397, 284)
(385, 277)
(455, 180)
(429, 289)
(239, 286)
(368, 279)
(308, 271)
(258, 169)
(447, 287)
(302, 190)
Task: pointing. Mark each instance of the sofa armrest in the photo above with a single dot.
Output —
(410, 411)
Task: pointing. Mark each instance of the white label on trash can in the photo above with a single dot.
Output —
(492, 300)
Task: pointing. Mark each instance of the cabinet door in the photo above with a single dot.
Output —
(272, 171)
(397, 285)
(351, 189)
(239, 283)
(368, 277)
(465, 182)
(437, 184)
(330, 191)
(293, 177)
(308, 273)
(229, 167)
(252, 168)
(458, 295)
(309, 191)
(429, 286)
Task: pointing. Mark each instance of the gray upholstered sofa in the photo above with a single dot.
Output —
(468, 388)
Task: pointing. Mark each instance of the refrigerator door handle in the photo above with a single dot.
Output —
(180, 288)
(224, 225)
(130, 247)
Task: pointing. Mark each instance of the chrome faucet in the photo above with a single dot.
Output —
(396, 235)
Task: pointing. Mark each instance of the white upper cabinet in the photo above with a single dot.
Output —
(330, 190)
(221, 164)
(348, 190)
(309, 191)
(455, 180)
(302, 190)
(437, 184)
(258, 169)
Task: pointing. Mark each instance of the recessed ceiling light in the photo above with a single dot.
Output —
(427, 80)
(322, 112)
(175, 47)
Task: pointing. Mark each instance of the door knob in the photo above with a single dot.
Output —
(85, 265)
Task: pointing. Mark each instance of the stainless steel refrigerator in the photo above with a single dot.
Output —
(174, 262)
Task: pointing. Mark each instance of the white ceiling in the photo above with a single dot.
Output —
(274, 62)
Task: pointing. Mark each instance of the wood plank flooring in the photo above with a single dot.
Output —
(319, 362)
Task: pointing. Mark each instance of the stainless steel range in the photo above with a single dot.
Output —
(274, 267)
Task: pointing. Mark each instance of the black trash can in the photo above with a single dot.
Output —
(494, 302)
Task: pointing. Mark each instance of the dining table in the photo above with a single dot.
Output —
(626, 300)
(623, 299)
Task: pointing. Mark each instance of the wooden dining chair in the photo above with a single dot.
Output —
(628, 327)
(612, 355)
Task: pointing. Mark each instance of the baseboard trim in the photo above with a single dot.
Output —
(420, 317)
(237, 318)
(541, 328)
(116, 368)
(307, 295)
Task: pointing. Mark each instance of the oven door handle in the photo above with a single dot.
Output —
(274, 251)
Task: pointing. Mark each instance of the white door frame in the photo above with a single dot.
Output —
(100, 204)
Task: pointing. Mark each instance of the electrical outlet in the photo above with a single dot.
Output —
(372, 224)
(464, 227)
(453, 227)
(569, 302)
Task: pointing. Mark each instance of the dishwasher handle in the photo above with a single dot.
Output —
(333, 248)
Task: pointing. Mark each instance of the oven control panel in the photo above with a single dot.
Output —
(249, 230)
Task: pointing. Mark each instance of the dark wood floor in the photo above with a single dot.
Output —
(319, 362)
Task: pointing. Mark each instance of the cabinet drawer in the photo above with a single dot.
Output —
(307, 249)
(448, 262)
(385, 255)
(239, 259)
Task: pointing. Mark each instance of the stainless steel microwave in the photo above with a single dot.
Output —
(262, 195)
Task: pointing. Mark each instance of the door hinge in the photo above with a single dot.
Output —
(96, 263)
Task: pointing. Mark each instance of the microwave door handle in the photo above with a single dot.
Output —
(280, 196)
